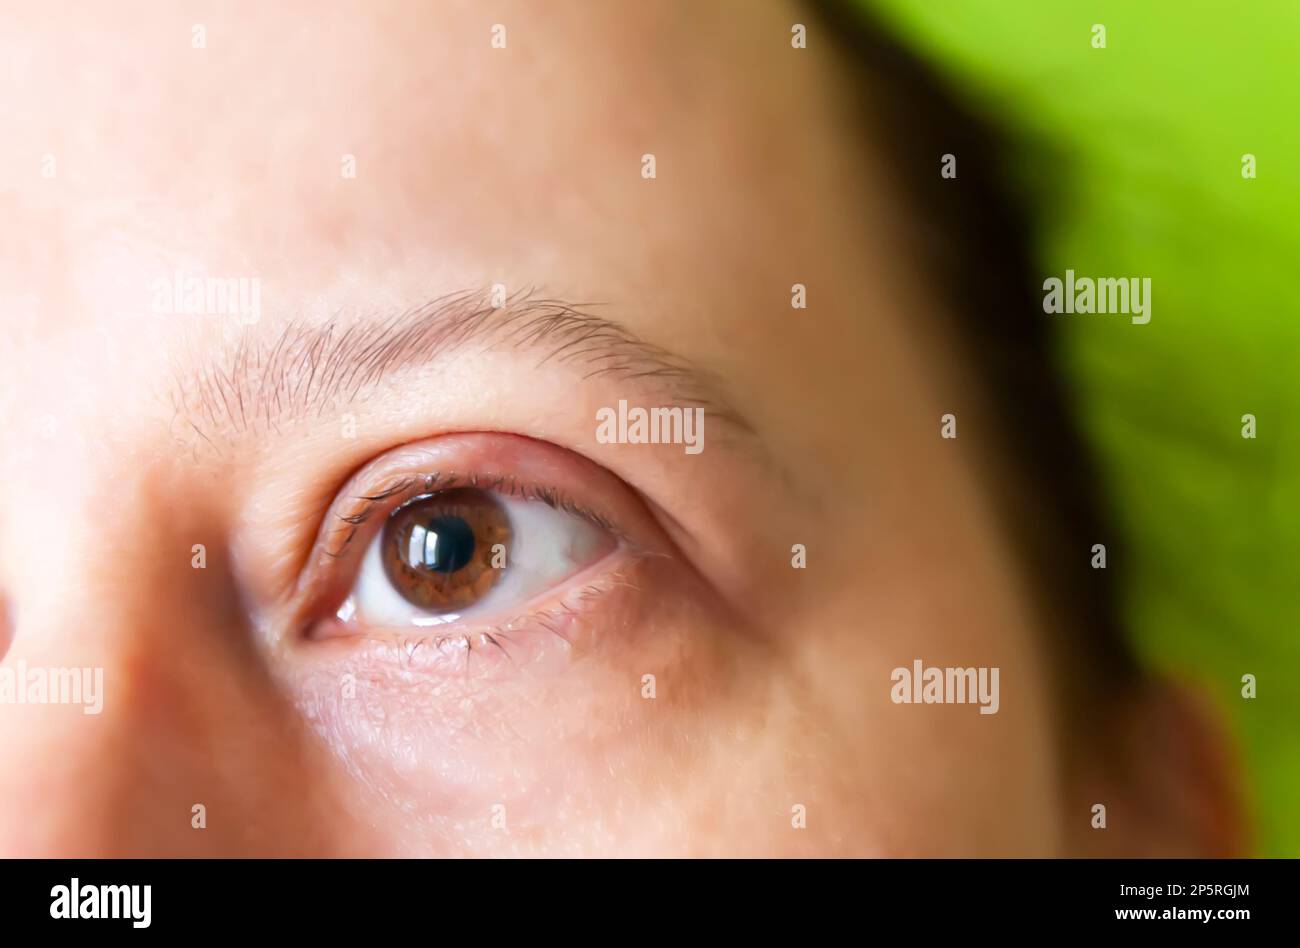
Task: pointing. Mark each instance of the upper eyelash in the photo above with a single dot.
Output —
(408, 486)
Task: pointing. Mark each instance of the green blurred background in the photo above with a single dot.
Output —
(1131, 158)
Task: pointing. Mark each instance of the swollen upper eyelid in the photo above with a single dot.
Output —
(353, 513)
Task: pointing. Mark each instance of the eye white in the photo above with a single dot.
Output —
(547, 546)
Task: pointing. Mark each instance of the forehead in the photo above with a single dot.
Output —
(681, 163)
(368, 141)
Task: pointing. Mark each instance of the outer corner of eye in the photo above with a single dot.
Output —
(463, 553)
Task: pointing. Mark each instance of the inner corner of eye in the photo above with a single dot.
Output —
(466, 551)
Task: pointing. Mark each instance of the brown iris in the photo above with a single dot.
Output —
(444, 551)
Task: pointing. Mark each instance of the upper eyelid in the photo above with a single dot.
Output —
(337, 540)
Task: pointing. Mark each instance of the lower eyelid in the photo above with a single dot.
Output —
(544, 637)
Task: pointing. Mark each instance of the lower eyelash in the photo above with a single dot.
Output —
(432, 647)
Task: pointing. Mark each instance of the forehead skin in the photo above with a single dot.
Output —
(523, 166)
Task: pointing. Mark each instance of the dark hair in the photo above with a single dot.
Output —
(971, 236)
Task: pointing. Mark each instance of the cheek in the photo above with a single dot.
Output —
(670, 728)
(569, 750)
(918, 779)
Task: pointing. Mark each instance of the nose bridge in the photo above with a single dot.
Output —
(98, 564)
(192, 748)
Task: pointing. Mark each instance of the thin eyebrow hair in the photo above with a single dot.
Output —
(307, 370)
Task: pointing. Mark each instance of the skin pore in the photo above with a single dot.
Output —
(132, 435)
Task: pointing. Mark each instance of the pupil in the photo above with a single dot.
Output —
(445, 545)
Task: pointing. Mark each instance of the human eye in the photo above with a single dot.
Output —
(468, 552)
(464, 552)
(473, 542)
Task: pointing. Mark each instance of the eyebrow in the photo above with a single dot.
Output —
(257, 384)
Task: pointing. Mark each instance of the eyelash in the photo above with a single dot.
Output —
(543, 620)
(353, 521)
(349, 521)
